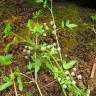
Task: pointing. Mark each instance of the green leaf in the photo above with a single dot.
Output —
(8, 30)
(30, 24)
(29, 94)
(62, 24)
(37, 65)
(31, 66)
(6, 79)
(69, 64)
(45, 3)
(6, 60)
(93, 17)
(19, 79)
(30, 42)
(37, 29)
(4, 86)
(70, 26)
(39, 1)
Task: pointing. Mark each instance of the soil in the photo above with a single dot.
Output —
(79, 45)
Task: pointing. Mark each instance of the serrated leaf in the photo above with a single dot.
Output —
(69, 65)
(6, 60)
(4, 86)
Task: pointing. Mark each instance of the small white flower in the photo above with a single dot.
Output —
(26, 57)
(30, 48)
(54, 32)
(59, 49)
(43, 30)
(66, 55)
(28, 51)
(54, 44)
(46, 28)
(51, 22)
(24, 50)
(79, 77)
(26, 46)
(54, 26)
(44, 34)
(59, 79)
(43, 48)
(68, 78)
(73, 74)
(64, 86)
(73, 82)
(75, 69)
(48, 46)
(45, 24)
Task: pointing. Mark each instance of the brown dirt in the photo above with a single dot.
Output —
(82, 52)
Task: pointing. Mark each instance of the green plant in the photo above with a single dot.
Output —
(43, 54)
(9, 80)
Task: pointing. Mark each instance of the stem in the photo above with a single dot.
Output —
(38, 89)
(15, 88)
(51, 10)
(36, 57)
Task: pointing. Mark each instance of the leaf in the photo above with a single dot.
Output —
(8, 30)
(70, 26)
(69, 65)
(5, 85)
(30, 42)
(6, 60)
(39, 1)
(31, 66)
(30, 24)
(6, 79)
(29, 94)
(93, 17)
(62, 24)
(37, 29)
(45, 3)
(19, 79)
(37, 65)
